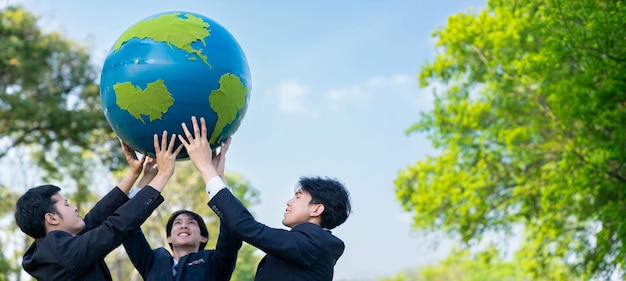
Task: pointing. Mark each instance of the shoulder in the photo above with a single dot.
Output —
(55, 237)
(162, 252)
(310, 231)
(315, 231)
(203, 254)
(308, 227)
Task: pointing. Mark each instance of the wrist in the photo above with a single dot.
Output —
(208, 173)
(132, 176)
(134, 173)
(159, 181)
(214, 185)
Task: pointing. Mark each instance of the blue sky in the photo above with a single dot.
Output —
(334, 87)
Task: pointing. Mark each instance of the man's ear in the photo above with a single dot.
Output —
(52, 219)
(319, 209)
(203, 239)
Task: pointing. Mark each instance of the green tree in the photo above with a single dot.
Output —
(50, 118)
(485, 265)
(186, 191)
(49, 100)
(529, 126)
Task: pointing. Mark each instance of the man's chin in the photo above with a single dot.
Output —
(285, 223)
(187, 244)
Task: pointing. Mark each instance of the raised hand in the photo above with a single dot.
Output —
(150, 170)
(135, 164)
(198, 148)
(150, 167)
(219, 160)
(165, 158)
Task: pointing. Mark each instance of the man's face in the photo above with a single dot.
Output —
(186, 233)
(67, 218)
(299, 210)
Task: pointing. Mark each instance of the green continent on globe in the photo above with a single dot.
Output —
(133, 99)
(167, 29)
(226, 102)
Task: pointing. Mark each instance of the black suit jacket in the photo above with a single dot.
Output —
(306, 252)
(61, 256)
(209, 265)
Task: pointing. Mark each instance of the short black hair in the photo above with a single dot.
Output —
(204, 232)
(31, 209)
(332, 194)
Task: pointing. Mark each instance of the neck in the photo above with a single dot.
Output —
(181, 251)
(50, 229)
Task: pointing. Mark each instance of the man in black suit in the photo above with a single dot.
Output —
(67, 247)
(309, 250)
(187, 236)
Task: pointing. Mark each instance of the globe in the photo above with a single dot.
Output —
(167, 68)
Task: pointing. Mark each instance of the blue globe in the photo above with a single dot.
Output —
(168, 67)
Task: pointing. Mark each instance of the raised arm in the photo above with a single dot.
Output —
(139, 251)
(166, 160)
(112, 200)
(150, 170)
(219, 160)
(135, 165)
(198, 148)
(95, 244)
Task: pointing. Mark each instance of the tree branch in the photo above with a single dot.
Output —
(19, 140)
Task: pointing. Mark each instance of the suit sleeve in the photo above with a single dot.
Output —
(104, 208)
(139, 251)
(299, 247)
(226, 250)
(79, 253)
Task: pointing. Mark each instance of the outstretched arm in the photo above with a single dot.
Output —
(150, 170)
(139, 251)
(295, 246)
(135, 164)
(219, 160)
(198, 148)
(200, 153)
(95, 244)
(211, 166)
(112, 200)
(166, 160)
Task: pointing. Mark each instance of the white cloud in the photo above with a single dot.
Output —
(402, 85)
(292, 97)
(403, 80)
(296, 98)
(338, 96)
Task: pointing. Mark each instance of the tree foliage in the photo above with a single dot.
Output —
(485, 265)
(50, 116)
(530, 128)
(49, 99)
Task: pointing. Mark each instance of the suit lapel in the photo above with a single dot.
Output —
(179, 267)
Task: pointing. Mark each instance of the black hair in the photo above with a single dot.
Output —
(204, 232)
(332, 194)
(31, 208)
